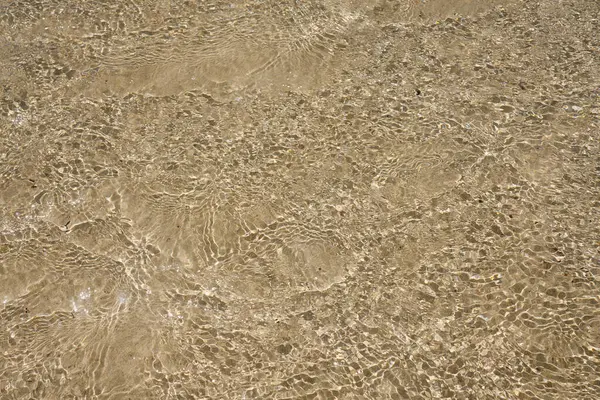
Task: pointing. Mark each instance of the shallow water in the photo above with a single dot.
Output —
(300, 199)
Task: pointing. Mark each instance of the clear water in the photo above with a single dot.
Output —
(301, 199)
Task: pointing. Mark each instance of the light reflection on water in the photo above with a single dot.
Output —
(305, 199)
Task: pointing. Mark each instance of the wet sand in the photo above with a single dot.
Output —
(303, 199)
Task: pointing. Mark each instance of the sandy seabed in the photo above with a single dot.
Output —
(300, 199)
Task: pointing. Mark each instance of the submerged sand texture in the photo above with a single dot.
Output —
(300, 199)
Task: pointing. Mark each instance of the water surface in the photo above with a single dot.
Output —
(300, 199)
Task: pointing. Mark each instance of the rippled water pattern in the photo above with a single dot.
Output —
(300, 199)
